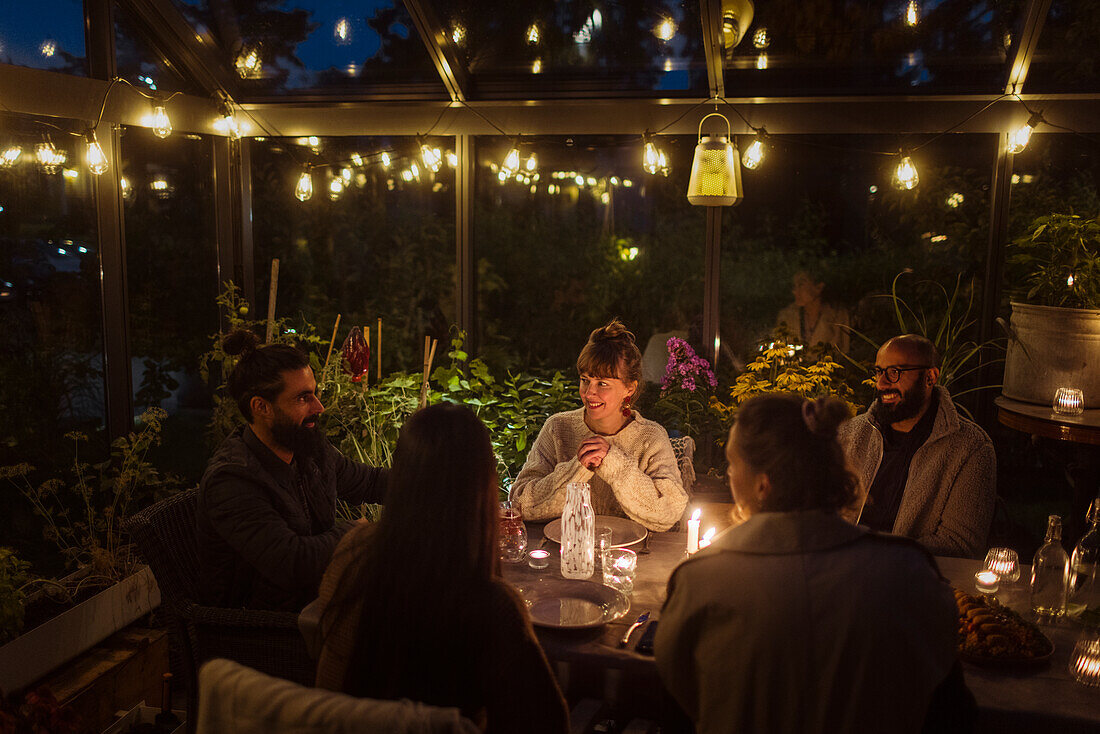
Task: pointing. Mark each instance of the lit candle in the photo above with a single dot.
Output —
(538, 558)
(1069, 401)
(986, 581)
(693, 530)
(706, 538)
(1085, 662)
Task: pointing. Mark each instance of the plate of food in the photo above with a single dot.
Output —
(624, 531)
(994, 636)
(573, 604)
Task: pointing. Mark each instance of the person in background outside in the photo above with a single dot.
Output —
(810, 318)
(266, 519)
(414, 607)
(796, 620)
(627, 460)
(931, 473)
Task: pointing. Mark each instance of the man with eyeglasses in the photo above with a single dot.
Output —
(930, 473)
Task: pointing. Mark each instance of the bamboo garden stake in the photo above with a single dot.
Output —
(336, 326)
(379, 348)
(274, 289)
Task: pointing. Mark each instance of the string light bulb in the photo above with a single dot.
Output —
(651, 157)
(385, 158)
(50, 158)
(760, 38)
(905, 174)
(762, 61)
(303, 191)
(227, 122)
(93, 155)
(9, 157)
(432, 157)
(754, 154)
(665, 30)
(126, 189)
(161, 125)
(1022, 136)
(912, 13)
(511, 161)
(342, 32)
(336, 188)
(533, 34)
(452, 159)
(532, 163)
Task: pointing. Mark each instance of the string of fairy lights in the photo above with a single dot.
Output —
(520, 165)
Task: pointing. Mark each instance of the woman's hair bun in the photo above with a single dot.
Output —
(240, 341)
(824, 415)
(614, 329)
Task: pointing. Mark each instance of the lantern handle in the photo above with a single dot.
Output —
(715, 114)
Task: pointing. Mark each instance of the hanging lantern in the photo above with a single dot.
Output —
(715, 171)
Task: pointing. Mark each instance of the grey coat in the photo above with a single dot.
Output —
(949, 496)
(800, 622)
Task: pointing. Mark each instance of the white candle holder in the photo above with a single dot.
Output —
(1084, 663)
(1004, 562)
(1069, 401)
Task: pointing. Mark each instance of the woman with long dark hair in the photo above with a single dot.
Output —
(414, 605)
(627, 460)
(796, 620)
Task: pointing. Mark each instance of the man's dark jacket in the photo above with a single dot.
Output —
(258, 546)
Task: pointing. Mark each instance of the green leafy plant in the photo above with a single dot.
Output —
(944, 319)
(83, 509)
(13, 577)
(38, 712)
(1058, 262)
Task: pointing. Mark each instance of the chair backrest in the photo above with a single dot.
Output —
(235, 698)
(165, 536)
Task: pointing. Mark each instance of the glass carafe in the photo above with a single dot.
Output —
(1084, 565)
(1050, 574)
(578, 533)
(513, 534)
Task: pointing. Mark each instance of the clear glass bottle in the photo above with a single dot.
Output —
(1050, 574)
(1084, 565)
(578, 533)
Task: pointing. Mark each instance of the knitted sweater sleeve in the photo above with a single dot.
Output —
(539, 490)
(646, 480)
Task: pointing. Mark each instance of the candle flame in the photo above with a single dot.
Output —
(697, 514)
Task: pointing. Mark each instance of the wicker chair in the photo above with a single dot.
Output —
(267, 641)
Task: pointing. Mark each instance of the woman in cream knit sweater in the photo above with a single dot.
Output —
(627, 460)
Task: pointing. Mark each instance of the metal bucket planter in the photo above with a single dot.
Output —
(1049, 348)
(56, 641)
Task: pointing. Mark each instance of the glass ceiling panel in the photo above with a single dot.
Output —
(835, 47)
(140, 64)
(46, 34)
(1067, 59)
(603, 46)
(298, 46)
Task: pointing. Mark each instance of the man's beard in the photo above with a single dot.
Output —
(298, 438)
(906, 408)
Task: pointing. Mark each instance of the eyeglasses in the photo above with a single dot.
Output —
(893, 374)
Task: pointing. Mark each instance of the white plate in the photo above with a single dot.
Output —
(569, 604)
(624, 531)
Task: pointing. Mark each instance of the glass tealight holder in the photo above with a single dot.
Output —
(1069, 401)
(1004, 562)
(986, 582)
(619, 570)
(1084, 663)
(513, 533)
(538, 559)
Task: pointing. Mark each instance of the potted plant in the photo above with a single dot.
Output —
(1054, 334)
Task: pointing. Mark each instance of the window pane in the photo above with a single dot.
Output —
(1066, 59)
(51, 330)
(826, 205)
(593, 238)
(141, 64)
(383, 248)
(171, 271)
(651, 47)
(44, 35)
(288, 46)
(857, 47)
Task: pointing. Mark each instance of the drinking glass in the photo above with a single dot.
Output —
(603, 545)
(1084, 663)
(619, 570)
(1004, 562)
(513, 534)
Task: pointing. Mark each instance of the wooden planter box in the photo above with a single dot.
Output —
(38, 651)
